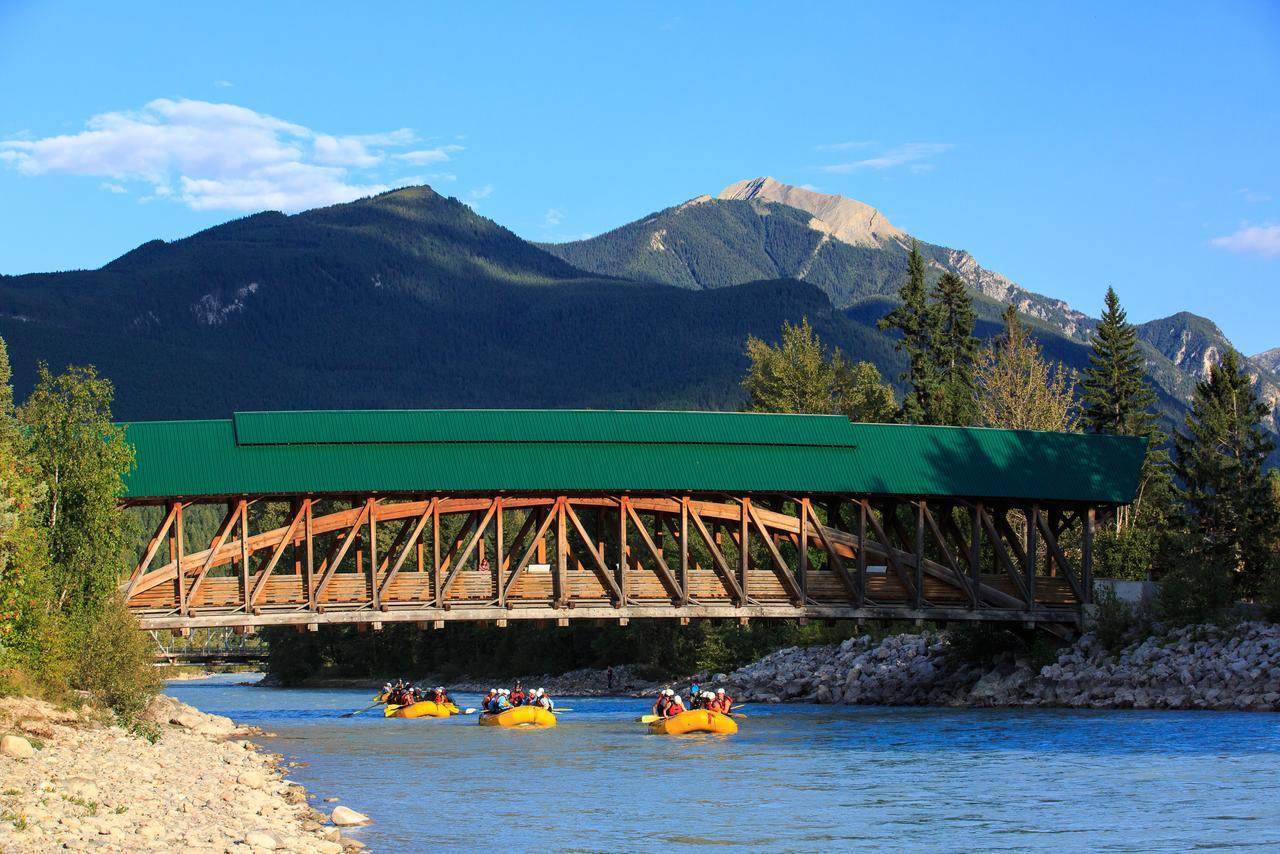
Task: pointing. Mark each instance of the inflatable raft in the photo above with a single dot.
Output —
(423, 709)
(519, 716)
(695, 720)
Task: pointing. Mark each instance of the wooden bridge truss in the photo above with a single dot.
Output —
(369, 560)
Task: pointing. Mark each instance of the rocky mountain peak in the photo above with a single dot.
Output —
(848, 220)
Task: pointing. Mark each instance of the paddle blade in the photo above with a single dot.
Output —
(469, 711)
(648, 719)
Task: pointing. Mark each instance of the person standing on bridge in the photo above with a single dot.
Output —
(483, 566)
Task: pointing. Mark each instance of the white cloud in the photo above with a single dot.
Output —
(552, 218)
(429, 155)
(902, 155)
(482, 192)
(223, 84)
(844, 146)
(1261, 240)
(1253, 195)
(214, 156)
(112, 187)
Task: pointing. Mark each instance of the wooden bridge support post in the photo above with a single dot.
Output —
(863, 510)
(375, 596)
(309, 565)
(918, 599)
(684, 550)
(1086, 557)
(1033, 524)
(744, 549)
(975, 544)
(244, 554)
(176, 548)
(803, 544)
(498, 554)
(622, 546)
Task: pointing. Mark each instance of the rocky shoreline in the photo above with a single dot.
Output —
(1196, 667)
(73, 782)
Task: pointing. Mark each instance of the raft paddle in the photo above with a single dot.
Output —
(365, 709)
(648, 719)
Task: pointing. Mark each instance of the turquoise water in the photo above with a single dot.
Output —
(794, 778)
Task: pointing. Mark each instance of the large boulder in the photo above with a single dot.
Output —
(346, 817)
(16, 746)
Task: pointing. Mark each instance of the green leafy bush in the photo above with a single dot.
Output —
(115, 662)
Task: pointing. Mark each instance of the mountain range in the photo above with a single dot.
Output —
(411, 299)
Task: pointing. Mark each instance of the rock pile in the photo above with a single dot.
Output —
(1198, 667)
(83, 785)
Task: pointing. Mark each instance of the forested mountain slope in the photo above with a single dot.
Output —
(408, 299)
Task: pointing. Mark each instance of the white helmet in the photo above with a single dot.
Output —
(707, 695)
(493, 690)
(669, 692)
(678, 699)
(719, 690)
(440, 688)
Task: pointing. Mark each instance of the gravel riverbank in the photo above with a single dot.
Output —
(1197, 667)
(72, 782)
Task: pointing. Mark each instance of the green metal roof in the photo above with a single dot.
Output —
(459, 451)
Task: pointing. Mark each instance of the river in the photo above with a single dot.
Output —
(793, 778)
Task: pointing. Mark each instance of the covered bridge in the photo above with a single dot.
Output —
(431, 516)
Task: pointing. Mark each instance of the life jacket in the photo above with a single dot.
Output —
(660, 707)
(501, 704)
(517, 698)
(673, 709)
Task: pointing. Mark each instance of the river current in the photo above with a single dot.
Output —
(794, 778)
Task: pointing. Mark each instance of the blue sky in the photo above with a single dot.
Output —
(1069, 146)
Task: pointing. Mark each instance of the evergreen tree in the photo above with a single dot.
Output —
(1219, 462)
(1116, 397)
(800, 376)
(913, 320)
(22, 546)
(1118, 400)
(82, 457)
(1018, 389)
(955, 354)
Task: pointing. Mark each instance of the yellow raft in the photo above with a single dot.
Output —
(423, 709)
(695, 720)
(519, 716)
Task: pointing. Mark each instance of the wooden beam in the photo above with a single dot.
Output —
(602, 570)
(180, 544)
(864, 510)
(466, 553)
(409, 547)
(156, 539)
(624, 551)
(889, 556)
(1069, 571)
(244, 554)
(1086, 556)
(533, 548)
(310, 565)
(499, 553)
(664, 571)
(561, 582)
(276, 554)
(975, 545)
(1033, 519)
(722, 566)
(921, 509)
(344, 545)
(962, 580)
(783, 571)
(833, 557)
(435, 555)
(802, 549)
(1002, 555)
(684, 550)
(744, 549)
(224, 530)
(374, 589)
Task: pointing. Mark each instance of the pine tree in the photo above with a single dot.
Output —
(913, 320)
(1018, 389)
(1117, 398)
(955, 354)
(1219, 462)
